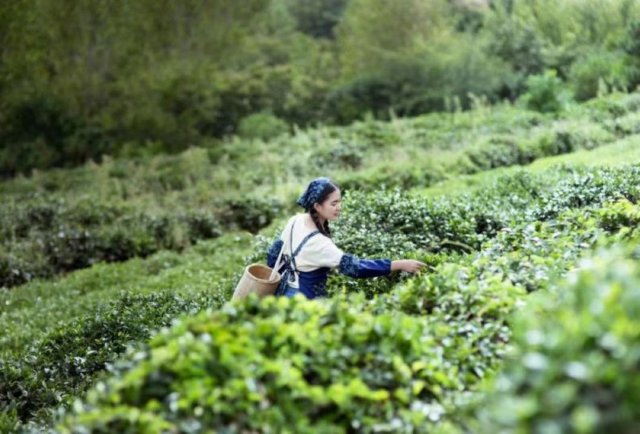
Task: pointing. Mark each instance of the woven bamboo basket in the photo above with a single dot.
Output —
(257, 278)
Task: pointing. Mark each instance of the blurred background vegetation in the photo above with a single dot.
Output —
(81, 79)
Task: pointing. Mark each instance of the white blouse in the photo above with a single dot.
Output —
(319, 251)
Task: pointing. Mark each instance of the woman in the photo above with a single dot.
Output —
(308, 237)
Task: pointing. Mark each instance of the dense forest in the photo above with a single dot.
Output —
(80, 79)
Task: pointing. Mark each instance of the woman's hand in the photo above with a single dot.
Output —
(408, 265)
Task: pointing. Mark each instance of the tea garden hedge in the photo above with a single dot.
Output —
(525, 321)
(403, 361)
(63, 220)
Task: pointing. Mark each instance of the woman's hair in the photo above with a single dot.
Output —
(324, 229)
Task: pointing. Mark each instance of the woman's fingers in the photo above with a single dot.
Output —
(415, 266)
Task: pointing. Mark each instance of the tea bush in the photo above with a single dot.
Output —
(144, 198)
(65, 361)
(401, 175)
(457, 319)
(574, 365)
(346, 370)
(613, 106)
(342, 156)
(625, 125)
(250, 213)
(50, 237)
(390, 224)
(30, 312)
(508, 150)
(467, 298)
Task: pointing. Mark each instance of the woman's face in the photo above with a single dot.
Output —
(330, 208)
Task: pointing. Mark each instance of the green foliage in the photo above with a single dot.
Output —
(30, 311)
(202, 225)
(518, 45)
(37, 126)
(304, 62)
(250, 213)
(575, 355)
(61, 236)
(499, 151)
(75, 107)
(599, 72)
(627, 124)
(614, 105)
(261, 126)
(436, 337)
(389, 224)
(362, 372)
(317, 18)
(545, 92)
(622, 216)
(632, 43)
(485, 250)
(341, 156)
(435, 147)
(348, 102)
(65, 361)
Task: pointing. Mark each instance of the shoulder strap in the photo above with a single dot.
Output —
(300, 246)
(304, 241)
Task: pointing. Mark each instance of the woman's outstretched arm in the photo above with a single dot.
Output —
(353, 266)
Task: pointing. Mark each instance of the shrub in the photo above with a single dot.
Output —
(403, 176)
(545, 92)
(390, 224)
(498, 151)
(65, 361)
(124, 241)
(249, 213)
(332, 367)
(395, 88)
(598, 72)
(574, 367)
(262, 126)
(566, 137)
(22, 264)
(202, 225)
(622, 214)
(70, 248)
(37, 127)
(344, 155)
(454, 324)
(627, 124)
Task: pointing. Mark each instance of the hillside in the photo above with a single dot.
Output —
(116, 279)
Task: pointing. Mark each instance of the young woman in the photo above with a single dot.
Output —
(309, 252)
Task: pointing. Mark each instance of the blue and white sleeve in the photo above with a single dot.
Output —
(333, 257)
(353, 266)
(273, 252)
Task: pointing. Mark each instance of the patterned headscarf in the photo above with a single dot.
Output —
(313, 192)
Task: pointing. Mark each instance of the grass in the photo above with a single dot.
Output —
(619, 153)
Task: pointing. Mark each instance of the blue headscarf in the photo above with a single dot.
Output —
(313, 192)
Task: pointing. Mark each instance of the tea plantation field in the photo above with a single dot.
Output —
(115, 280)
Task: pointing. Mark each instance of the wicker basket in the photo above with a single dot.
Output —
(256, 279)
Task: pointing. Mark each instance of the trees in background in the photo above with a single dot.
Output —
(79, 79)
